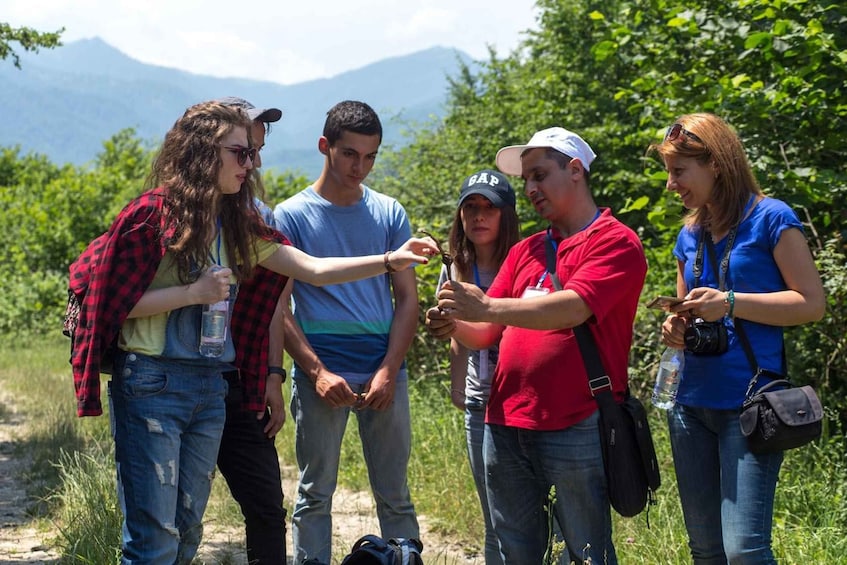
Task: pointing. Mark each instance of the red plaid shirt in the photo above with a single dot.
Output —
(112, 274)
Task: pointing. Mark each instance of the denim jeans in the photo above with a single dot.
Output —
(474, 431)
(167, 418)
(249, 462)
(521, 465)
(386, 445)
(727, 493)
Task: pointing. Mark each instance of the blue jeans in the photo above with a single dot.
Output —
(521, 465)
(474, 430)
(249, 462)
(727, 493)
(167, 418)
(386, 445)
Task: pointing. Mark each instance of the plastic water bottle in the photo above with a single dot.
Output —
(213, 329)
(213, 326)
(668, 377)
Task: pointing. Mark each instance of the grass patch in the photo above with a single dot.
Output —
(73, 474)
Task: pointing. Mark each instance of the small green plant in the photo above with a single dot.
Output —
(555, 548)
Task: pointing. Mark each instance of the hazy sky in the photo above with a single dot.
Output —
(285, 41)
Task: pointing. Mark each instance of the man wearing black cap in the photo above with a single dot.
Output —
(248, 458)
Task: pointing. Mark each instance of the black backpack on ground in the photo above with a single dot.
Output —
(373, 550)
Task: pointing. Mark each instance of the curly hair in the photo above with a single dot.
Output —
(187, 166)
(716, 144)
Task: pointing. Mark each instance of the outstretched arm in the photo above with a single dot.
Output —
(321, 271)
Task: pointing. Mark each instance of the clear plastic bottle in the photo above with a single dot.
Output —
(668, 377)
(213, 326)
(213, 329)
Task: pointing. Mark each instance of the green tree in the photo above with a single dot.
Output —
(28, 38)
(618, 72)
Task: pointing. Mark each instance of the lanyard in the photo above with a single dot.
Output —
(553, 245)
(212, 257)
(705, 238)
(697, 268)
(483, 353)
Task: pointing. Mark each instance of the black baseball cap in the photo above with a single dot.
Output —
(490, 184)
(266, 115)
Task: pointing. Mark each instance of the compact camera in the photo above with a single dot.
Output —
(706, 338)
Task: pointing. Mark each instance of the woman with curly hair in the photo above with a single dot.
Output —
(195, 239)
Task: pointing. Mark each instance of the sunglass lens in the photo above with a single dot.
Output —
(673, 132)
(243, 153)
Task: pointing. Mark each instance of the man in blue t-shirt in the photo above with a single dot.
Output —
(349, 341)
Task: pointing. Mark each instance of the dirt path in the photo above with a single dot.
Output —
(21, 543)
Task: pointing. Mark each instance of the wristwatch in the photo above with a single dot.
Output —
(272, 369)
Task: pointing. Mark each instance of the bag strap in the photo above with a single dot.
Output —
(599, 382)
(739, 326)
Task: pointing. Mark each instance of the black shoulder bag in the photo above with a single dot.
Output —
(629, 457)
(777, 416)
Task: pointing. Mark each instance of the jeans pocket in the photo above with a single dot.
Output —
(140, 380)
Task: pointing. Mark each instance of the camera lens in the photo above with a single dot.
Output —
(706, 338)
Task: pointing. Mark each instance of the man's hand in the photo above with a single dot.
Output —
(439, 324)
(334, 390)
(275, 404)
(379, 392)
(463, 301)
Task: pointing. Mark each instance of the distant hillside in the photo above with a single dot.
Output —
(65, 102)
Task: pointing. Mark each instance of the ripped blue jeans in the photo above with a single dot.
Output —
(167, 418)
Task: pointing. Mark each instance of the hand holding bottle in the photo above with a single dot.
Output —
(668, 378)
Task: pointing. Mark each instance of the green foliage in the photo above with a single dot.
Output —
(27, 38)
(89, 518)
(49, 214)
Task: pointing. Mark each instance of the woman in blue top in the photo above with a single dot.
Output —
(754, 265)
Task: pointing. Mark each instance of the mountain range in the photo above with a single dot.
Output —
(65, 102)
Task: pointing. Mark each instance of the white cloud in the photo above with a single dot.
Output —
(277, 40)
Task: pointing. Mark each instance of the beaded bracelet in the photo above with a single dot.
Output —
(729, 301)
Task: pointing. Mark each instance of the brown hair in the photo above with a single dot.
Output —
(187, 166)
(720, 147)
(462, 249)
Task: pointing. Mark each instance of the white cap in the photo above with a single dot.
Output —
(566, 142)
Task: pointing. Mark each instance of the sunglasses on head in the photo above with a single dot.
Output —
(676, 130)
(241, 154)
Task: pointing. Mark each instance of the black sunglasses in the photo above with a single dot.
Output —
(446, 258)
(241, 154)
(674, 131)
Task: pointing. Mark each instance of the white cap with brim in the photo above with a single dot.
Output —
(566, 142)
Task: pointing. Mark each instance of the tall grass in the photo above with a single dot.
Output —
(73, 475)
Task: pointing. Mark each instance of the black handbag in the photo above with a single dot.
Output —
(629, 456)
(772, 418)
(777, 416)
